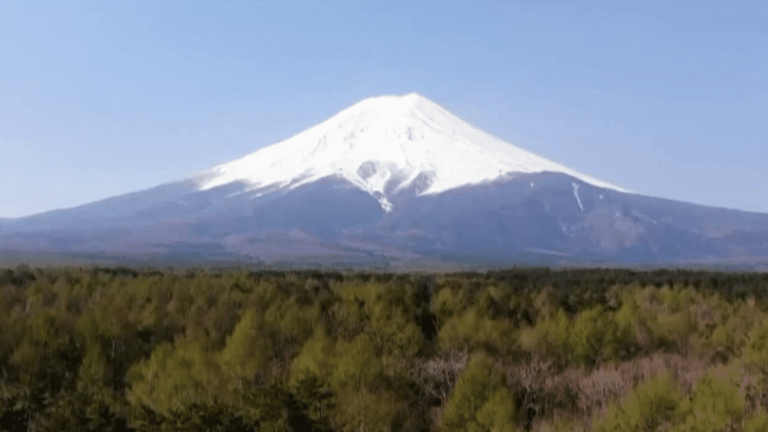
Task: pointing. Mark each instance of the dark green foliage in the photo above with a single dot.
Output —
(83, 411)
(273, 407)
(16, 410)
(196, 417)
(306, 407)
(315, 402)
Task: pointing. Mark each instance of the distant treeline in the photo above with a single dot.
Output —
(124, 349)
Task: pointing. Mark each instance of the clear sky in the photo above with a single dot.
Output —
(98, 98)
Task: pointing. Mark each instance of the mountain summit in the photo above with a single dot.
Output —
(392, 181)
(385, 145)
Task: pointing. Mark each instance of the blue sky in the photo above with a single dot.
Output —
(103, 98)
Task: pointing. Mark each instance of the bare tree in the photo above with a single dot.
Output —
(600, 387)
(527, 380)
(437, 376)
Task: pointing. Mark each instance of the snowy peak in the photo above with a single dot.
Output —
(384, 145)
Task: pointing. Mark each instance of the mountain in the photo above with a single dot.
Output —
(395, 179)
(383, 146)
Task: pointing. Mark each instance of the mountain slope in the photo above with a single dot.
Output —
(395, 179)
(384, 145)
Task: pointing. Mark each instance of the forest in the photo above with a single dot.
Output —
(524, 349)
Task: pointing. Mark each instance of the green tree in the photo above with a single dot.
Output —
(651, 406)
(357, 363)
(550, 338)
(317, 401)
(596, 337)
(716, 401)
(369, 410)
(757, 423)
(498, 413)
(175, 375)
(317, 357)
(479, 401)
(16, 408)
(90, 407)
(676, 330)
(248, 351)
(473, 330)
(47, 358)
(756, 356)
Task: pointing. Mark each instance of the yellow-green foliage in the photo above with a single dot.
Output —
(289, 324)
(717, 400)
(497, 414)
(384, 312)
(357, 363)
(757, 423)
(480, 401)
(676, 329)
(176, 374)
(546, 304)
(93, 369)
(317, 357)
(365, 411)
(446, 303)
(729, 336)
(596, 337)
(249, 350)
(549, 338)
(562, 425)
(652, 406)
(472, 330)
(756, 352)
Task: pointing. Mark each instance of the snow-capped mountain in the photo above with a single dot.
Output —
(394, 179)
(383, 146)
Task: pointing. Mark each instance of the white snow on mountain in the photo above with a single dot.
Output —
(383, 145)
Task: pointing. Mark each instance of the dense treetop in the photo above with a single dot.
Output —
(523, 349)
